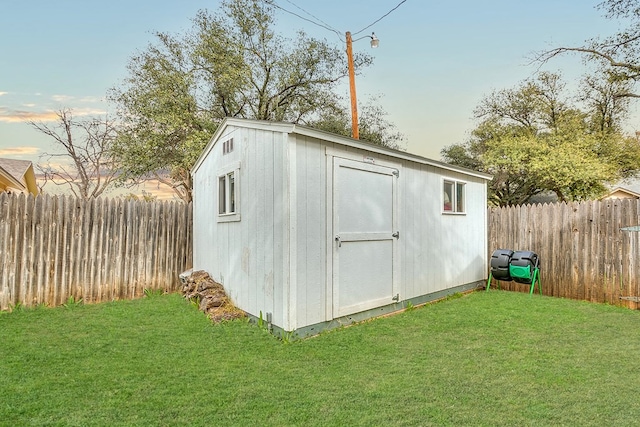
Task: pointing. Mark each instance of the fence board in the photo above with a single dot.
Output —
(583, 253)
(54, 247)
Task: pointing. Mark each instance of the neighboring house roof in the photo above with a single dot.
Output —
(17, 175)
(621, 193)
(292, 128)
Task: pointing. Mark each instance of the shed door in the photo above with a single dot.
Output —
(364, 247)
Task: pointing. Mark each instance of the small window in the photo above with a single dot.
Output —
(232, 193)
(453, 195)
(222, 195)
(227, 194)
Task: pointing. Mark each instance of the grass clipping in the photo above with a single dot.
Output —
(210, 297)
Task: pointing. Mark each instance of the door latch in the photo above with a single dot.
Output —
(396, 235)
(339, 241)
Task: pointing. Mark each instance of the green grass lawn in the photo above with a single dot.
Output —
(488, 358)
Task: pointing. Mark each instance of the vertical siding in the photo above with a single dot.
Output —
(280, 226)
(276, 258)
(246, 256)
(311, 232)
(270, 152)
(440, 251)
(411, 219)
(436, 251)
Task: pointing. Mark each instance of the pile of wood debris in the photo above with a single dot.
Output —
(210, 296)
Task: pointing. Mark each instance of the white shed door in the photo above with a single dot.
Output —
(364, 227)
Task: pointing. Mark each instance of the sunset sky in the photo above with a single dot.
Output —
(435, 61)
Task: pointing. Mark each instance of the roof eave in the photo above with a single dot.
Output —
(331, 137)
(10, 180)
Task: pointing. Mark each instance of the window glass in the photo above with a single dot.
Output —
(222, 195)
(228, 196)
(448, 196)
(232, 193)
(453, 196)
(459, 197)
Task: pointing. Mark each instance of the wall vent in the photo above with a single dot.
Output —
(227, 146)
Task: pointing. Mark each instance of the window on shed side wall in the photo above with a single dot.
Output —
(453, 196)
(460, 197)
(222, 195)
(226, 194)
(228, 207)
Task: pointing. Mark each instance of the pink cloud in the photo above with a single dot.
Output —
(62, 98)
(17, 116)
(158, 189)
(18, 151)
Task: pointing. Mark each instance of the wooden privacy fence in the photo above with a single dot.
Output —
(55, 247)
(583, 252)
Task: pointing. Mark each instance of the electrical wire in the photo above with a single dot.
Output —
(326, 27)
(381, 18)
(311, 15)
(323, 24)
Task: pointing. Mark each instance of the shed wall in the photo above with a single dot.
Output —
(309, 170)
(278, 257)
(437, 251)
(440, 251)
(249, 257)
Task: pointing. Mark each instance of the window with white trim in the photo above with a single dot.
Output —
(228, 195)
(453, 196)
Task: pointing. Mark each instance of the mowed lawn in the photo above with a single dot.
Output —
(487, 358)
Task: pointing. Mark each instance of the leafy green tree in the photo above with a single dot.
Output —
(532, 140)
(373, 125)
(534, 105)
(230, 64)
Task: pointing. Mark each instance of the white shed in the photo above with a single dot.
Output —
(312, 230)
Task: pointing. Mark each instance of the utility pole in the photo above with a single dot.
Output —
(352, 88)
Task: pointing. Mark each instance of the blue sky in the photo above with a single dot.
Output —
(435, 62)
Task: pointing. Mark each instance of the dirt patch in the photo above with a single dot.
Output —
(210, 297)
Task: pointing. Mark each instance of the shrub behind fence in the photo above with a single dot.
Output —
(55, 247)
(583, 253)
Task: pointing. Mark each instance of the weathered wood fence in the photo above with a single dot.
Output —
(55, 247)
(584, 254)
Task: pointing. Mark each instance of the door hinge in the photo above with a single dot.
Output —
(396, 235)
(396, 298)
(396, 172)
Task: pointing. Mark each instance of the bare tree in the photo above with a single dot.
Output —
(605, 100)
(617, 55)
(84, 163)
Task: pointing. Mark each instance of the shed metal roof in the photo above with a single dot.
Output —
(298, 129)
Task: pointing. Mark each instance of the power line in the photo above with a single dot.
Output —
(381, 18)
(325, 26)
(311, 15)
